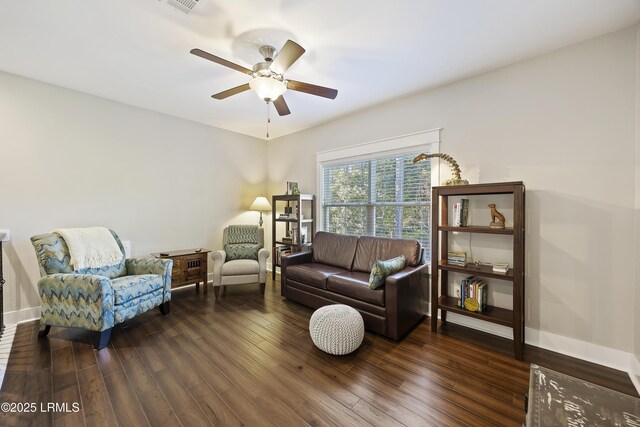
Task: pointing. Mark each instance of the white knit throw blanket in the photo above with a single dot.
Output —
(91, 247)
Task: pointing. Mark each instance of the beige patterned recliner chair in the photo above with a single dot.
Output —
(243, 259)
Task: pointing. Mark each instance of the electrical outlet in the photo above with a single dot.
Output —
(7, 235)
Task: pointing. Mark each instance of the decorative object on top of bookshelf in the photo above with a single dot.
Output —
(292, 188)
(260, 204)
(457, 258)
(497, 219)
(455, 169)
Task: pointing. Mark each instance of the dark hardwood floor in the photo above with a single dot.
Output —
(247, 359)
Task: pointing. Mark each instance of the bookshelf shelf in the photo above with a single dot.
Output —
(441, 300)
(476, 229)
(483, 270)
(498, 315)
(300, 203)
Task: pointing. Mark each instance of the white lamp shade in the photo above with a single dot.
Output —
(260, 204)
(268, 88)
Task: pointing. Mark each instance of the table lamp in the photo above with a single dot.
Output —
(260, 204)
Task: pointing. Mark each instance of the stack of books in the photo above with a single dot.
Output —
(457, 258)
(461, 213)
(501, 268)
(280, 252)
(475, 288)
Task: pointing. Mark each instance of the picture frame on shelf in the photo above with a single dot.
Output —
(292, 188)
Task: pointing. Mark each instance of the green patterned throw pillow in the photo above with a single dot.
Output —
(242, 251)
(381, 269)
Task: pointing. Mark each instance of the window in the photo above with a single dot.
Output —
(387, 196)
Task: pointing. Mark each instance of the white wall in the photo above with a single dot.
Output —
(564, 123)
(69, 159)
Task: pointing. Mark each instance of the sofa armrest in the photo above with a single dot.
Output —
(161, 266)
(218, 257)
(403, 276)
(403, 293)
(289, 260)
(293, 259)
(263, 255)
(77, 300)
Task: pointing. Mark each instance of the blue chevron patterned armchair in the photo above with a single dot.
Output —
(97, 298)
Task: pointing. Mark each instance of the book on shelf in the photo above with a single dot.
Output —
(473, 288)
(457, 258)
(461, 213)
(501, 268)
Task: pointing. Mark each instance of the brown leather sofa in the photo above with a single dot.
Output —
(337, 271)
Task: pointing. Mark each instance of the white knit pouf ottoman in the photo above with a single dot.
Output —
(336, 329)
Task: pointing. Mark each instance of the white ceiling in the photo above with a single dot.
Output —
(137, 51)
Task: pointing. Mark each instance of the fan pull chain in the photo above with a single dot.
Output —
(268, 117)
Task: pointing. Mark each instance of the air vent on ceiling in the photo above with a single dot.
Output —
(185, 6)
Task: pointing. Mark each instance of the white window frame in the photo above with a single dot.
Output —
(425, 141)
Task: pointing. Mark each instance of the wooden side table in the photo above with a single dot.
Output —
(189, 267)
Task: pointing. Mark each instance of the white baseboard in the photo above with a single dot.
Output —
(19, 316)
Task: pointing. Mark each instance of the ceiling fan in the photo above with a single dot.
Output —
(267, 78)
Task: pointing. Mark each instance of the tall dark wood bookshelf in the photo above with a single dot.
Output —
(300, 203)
(440, 298)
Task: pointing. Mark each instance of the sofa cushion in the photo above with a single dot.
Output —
(355, 285)
(334, 249)
(241, 251)
(127, 288)
(312, 274)
(382, 269)
(238, 267)
(370, 249)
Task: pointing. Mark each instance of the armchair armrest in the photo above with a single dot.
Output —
(136, 266)
(218, 258)
(263, 255)
(77, 300)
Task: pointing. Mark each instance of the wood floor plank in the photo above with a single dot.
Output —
(157, 409)
(64, 378)
(38, 384)
(247, 359)
(125, 403)
(187, 409)
(95, 398)
(213, 406)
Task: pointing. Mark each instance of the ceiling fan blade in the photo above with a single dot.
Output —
(312, 89)
(281, 106)
(206, 55)
(233, 91)
(289, 54)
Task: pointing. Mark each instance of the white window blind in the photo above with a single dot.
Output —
(387, 196)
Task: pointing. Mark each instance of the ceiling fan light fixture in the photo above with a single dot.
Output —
(268, 88)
